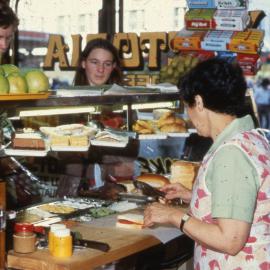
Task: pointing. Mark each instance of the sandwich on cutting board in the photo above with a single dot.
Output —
(130, 221)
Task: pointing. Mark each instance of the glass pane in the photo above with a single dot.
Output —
(152, 16)
(38, 19)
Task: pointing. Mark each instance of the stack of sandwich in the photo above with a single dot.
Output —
(69, 135)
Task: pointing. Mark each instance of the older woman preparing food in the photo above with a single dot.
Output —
(229, 215)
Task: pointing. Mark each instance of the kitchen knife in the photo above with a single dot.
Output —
(136, 198)
(147, 189)
(153, 192)
(91, 244)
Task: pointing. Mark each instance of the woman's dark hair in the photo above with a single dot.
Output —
(7, 16)
(221, 85)
(99, 43)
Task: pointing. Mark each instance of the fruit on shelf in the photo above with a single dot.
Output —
(177, 67)
(17, 83)
(10, 68)
(4, 85)
(32, 82)
(37, 81)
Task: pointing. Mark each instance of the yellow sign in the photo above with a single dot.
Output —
(132, 49)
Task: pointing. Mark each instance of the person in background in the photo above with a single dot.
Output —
(262, 99)
(229, 212)
(8, 25)
(98, 64)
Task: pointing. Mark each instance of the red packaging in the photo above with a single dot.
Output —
(250, 63)
(23, 227)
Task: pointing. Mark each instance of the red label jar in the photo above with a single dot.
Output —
(24, 238)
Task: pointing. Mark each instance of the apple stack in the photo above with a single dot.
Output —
(220, 28)
(14, 81)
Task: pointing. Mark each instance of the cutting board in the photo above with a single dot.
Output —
(123, 242)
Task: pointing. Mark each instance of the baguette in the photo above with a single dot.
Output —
(155, 180)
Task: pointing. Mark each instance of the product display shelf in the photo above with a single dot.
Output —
(13, 106)
(53, 101)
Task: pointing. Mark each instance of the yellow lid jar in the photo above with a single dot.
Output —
(53, 228)
(62, 243)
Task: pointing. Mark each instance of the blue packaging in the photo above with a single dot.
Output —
(201, 3)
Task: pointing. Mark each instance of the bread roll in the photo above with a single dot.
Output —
(155, 180)
(173, 128)
(166, 115)
(143, 127)
(167, 121)
(180, 121)
(184, 172)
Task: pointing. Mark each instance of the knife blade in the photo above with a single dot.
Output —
(136, 198)
(147, 189)
(92, 244)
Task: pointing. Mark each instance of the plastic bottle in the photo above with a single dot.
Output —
(62, 243)
(53, 228)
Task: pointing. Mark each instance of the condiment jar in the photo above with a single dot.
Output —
(62, 243)
(53, 228)
(24, 238)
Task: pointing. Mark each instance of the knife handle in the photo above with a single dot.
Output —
(92, 244)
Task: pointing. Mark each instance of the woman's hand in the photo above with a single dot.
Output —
(160, 213)
(176, 190)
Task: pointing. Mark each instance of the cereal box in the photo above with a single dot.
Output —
(249, 41)
(201, 3)
(199, 19)
(188, 40)
(250, 63)
(216, 40)
(229, 19)
(231, 4)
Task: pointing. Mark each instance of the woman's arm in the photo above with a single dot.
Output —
(226, 235)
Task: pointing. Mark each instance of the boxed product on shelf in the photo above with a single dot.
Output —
(249, 41)
(216, 40)
(200, 54)
(231, 4)
(201, 3)
(250, 63)
(229, 19)
(200, 19)
(187, 40)
(230, 56)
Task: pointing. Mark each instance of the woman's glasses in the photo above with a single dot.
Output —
(97, 64)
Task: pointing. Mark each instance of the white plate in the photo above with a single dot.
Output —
(69, 148)
(178, 134)
(152, 136)
(109, 144)
(25, 152)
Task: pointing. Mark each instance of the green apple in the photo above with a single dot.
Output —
(17, 83)
(9, 68)
(4, 85)
(37, 81)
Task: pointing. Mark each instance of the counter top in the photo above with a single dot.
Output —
(123, 242)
